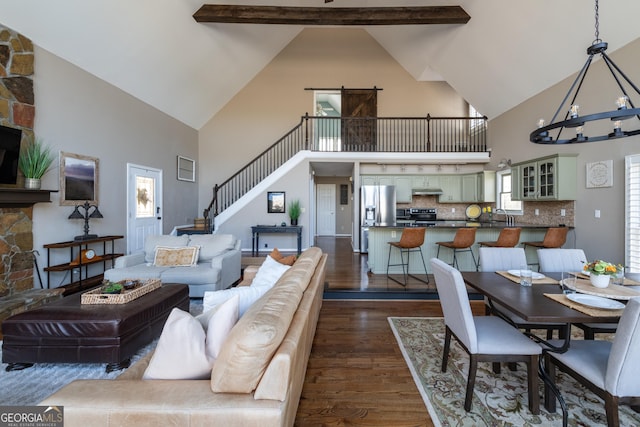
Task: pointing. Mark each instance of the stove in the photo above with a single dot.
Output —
(423, 214)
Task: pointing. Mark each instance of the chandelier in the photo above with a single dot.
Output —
(620, 127)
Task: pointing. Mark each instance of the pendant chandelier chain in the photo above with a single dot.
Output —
(597, 25)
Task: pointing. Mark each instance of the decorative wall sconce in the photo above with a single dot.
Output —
(77, 215)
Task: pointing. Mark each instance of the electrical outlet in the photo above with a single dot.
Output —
(75, 271)
(266, 245)
(597, 213)
(563, 212)
(536, 212)
(393, 233)
(453, 210)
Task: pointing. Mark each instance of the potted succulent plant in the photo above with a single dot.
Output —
(294, 211)
(34, 161)
(601, 271)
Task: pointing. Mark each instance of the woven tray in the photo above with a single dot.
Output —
(96, 297)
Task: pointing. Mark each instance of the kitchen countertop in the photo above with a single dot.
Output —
(462, 223)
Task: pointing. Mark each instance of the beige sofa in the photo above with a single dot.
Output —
(256, 381)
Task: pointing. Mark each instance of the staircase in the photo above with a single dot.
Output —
(352, 134)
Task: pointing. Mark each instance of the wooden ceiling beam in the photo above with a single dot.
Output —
(286, 15)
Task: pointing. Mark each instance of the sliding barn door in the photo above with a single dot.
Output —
(359, 109)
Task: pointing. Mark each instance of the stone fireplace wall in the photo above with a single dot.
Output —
(17, 110)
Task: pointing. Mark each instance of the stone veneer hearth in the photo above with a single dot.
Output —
(17, 110)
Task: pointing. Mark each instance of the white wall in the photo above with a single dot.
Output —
(78, 113)
(296, 185)
(274, 101)
(509, 137)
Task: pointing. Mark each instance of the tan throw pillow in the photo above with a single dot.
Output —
(176, 257)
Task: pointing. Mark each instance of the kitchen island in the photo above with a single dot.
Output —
(379, 236)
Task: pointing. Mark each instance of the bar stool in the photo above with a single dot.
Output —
(462, 242)
(555, 237)
(508, 238)
(411, 240)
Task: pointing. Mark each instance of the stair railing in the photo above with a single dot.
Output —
(353, 134)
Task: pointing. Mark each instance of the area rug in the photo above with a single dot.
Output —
(32, 385)
(499, 399)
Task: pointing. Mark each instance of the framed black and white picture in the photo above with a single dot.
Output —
(275, 202)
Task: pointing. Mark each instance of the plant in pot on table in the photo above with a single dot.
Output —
(600, 272)
(294, 211)
(34, 161)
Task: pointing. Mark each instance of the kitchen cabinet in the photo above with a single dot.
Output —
(451, 189)
(469, 188)
(368, 180)
(546, 178)
(425, 181)
(403, 189)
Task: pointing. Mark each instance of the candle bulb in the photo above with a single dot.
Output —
(617, 124)
(541, 123)
(621, 102)
(574, 111)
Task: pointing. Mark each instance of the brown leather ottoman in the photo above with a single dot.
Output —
(66, 331)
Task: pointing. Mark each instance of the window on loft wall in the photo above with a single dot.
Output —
(475, 124)
(327, 128)
(504, 184)
(632, 213)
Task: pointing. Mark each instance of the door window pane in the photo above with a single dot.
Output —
(145, 190)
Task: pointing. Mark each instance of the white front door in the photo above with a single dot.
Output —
(144, 205)
(326, 209)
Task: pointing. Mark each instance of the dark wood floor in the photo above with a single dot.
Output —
(356, 374)
(348, 271)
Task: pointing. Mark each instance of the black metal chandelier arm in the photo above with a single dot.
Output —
(610, 63)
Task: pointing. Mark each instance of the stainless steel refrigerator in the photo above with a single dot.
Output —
(377, 207)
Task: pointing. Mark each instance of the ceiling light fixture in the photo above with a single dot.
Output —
(572, 119)
(504, 163)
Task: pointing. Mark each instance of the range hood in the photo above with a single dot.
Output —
(426, 191)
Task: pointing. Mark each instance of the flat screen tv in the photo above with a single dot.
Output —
(9, 153)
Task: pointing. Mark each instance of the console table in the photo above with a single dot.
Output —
(78, 262)
(257, 229)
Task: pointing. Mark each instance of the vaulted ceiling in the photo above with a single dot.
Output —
(155, 51)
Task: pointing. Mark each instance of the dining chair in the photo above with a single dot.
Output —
(411, 240)
(572, 260)
(609, 369)
(504, 259)
(484, 338)
(462, 241)
(559, 260)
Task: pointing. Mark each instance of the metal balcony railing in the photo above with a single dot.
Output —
(354, 134)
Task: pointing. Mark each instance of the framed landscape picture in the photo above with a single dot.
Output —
(78, 179)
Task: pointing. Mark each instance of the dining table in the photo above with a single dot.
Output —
(539, 303)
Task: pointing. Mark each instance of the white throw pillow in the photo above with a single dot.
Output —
(218, 322)
(269, 272)
(189, 346)
(247, 295)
